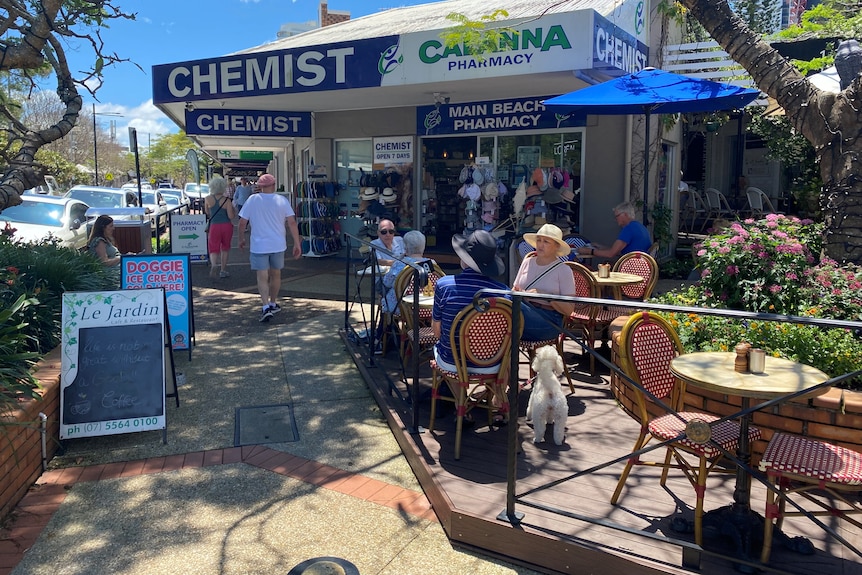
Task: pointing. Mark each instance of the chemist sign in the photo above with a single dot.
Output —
(394, 150)
(189, 236)
(173, 273)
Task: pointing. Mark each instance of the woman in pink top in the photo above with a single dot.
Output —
(545, 273)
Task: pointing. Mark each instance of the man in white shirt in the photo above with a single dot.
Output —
(268, 213)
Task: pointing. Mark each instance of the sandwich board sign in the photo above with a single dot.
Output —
(111, 341)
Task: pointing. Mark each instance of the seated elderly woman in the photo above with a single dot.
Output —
(414, 249)
(544, 273)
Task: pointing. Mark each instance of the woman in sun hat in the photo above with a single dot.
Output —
(545, 273)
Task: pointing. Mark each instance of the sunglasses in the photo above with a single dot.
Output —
(384, 232)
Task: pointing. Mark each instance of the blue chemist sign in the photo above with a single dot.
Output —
(222, 122)
(493, 116)
(337, 66)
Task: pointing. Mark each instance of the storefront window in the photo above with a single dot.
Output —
(351, 158)
(520, 154)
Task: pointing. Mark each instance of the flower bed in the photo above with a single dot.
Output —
(21, 444)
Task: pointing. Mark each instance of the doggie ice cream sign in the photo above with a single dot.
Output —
(171, 272)
(395, 150)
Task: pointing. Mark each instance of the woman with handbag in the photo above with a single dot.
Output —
(220, 215)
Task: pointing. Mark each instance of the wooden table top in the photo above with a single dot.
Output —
(714, 371)
(618, 279)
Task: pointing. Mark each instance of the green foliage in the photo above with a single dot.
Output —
(44, 271)
(662, 217)
(16, 381)
(676, 269)
(478, 37)
(772, 265)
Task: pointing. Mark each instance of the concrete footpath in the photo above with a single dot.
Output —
(311, 482)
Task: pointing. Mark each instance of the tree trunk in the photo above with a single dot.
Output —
(831, 122)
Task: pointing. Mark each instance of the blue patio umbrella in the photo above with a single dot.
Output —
(652, 91)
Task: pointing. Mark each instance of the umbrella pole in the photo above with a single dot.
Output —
(646, 167)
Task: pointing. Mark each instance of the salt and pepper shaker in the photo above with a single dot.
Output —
(740, 362)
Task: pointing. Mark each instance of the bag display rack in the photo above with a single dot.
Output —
(317, 217)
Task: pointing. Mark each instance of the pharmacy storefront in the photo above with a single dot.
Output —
(363, 126)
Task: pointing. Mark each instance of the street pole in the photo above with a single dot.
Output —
(95, 149)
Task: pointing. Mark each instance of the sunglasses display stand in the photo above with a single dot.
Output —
(317, 216)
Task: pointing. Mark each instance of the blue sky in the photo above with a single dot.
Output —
(175, 30)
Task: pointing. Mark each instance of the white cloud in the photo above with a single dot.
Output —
(148, 120)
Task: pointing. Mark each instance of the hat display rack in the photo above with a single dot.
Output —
(378, 198)
(548, 198)
(317, 216)
(484, 198)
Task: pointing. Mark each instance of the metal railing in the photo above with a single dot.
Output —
(691, 552)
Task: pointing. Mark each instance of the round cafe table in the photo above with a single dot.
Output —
(425, 301)
(714, 371)
(617, 279)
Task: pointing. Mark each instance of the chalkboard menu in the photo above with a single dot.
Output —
(112, 369)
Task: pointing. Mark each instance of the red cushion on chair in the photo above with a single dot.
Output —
(725, 433)
(811, 458)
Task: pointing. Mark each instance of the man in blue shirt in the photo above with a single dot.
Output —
(479, 262)
(634, 236)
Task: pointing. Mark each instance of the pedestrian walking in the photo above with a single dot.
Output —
(268, 213)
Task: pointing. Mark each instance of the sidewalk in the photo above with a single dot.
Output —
(335, 486)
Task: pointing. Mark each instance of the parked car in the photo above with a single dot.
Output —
(177, 198)
(197, 193)
(38, 217)
(100, 197)
(50, 187)
(156, 206)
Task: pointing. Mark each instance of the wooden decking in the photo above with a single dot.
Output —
(571, 527)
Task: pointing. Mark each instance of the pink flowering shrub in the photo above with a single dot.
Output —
(773, 265)
(759, 265)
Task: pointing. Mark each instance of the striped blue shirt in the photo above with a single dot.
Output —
(452, 294)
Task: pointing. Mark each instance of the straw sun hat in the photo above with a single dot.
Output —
(551, 232)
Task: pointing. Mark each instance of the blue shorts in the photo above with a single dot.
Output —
(260, 262)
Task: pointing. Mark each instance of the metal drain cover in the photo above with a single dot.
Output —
(265, 424)
(325, 566)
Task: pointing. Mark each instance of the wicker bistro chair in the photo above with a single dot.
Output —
(820, 472)
(583, 318)
(638, 263)
(406, 332)
(648, 344)
(483, 338)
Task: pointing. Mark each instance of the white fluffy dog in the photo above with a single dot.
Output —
(547, 402)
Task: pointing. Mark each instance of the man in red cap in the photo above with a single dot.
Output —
(268, 213)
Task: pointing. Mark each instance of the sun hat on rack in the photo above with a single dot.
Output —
(479, 252)
(553, 233)
(538, 178)
(389, 196)
(490, 191)
(552, 196)
(478, 176)
(533, 191)
(369, 194)
(473, 192)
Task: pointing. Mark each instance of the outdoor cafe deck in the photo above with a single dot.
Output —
(571, 527)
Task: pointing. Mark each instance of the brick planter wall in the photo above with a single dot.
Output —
(21, 439)
(817, 418)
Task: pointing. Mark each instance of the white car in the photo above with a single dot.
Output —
(156, 206)
(100, 197)
(177, 200)
(39, 217)
(197, 193)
